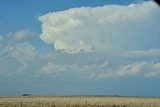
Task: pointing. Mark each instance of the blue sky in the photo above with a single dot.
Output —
(18, 14)
(80, 47)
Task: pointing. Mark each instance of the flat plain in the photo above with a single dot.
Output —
(78, 101)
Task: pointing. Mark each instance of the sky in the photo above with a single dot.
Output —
(80, 47)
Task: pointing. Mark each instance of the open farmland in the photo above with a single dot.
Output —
(78, 101)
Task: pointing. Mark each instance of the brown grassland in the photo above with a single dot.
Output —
(78, 101)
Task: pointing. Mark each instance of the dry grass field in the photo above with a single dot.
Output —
(78, 101)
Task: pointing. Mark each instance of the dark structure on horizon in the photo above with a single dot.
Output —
(26, 94)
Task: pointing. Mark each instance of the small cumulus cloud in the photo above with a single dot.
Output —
(109, 27)
(16, 59)
(21, 36)
(131, 69)
(16, 53)
(155, 71)
(143, 69)
(22, 50)
(53, 68)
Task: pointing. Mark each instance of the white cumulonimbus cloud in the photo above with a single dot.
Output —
(109, 27)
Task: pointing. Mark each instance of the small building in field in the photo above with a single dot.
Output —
(26, 94)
